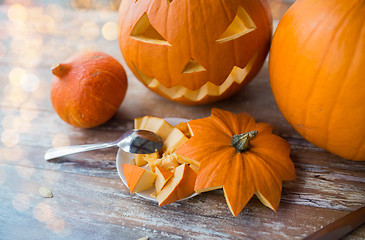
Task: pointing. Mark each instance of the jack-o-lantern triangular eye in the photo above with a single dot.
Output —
(241, 25)
(145, 32)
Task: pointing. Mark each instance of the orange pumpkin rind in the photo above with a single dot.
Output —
(259, 170)
(88, 88)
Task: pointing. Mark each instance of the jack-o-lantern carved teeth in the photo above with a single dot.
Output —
(237, 75)
(193, 66)
(143, 31)
(241, 25)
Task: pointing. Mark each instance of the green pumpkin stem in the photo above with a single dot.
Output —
(241, 142)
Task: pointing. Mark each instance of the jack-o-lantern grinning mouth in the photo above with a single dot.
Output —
(237, 75)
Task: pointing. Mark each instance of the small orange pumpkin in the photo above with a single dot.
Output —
(240, 156)
(194, 52)
(88, 89)
(317, 73)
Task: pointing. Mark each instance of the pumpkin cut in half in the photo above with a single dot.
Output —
(239, 155)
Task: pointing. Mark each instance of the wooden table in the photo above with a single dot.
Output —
(89, 200)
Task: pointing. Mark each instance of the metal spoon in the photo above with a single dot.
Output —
(133, 141)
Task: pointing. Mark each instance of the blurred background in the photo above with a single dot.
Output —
(34, 34)
(96, 4)
(31, 27)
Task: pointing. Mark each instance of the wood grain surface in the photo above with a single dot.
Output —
(89, 200)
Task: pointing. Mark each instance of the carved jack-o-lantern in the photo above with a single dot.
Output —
(194, 51)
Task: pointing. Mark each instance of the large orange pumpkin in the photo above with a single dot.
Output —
(317, 72)
(194, 52)
(88, 88)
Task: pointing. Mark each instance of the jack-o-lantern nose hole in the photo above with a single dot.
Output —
(193, 66)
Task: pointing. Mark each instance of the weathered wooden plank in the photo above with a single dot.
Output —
(323, 180)
(82, 206)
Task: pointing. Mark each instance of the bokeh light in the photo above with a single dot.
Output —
(56, 225)
(114, 4)
(15, 75)
(2, 50)
(90, 30)
(42, 212)
(10, 121)
(4, 34)
(81, 3)
(43, 89)
(44, 24)
(29, 82)
(17, 31)
(28, 111)
(14, 94)
(10, 137)
(25, 126)
(17, 46)
(21, 202)
(11, 153)
(17, 13)
(55, 11)
(110, 31)
(38, 34)
(60, 140)
(25, 169)
(46, 213)
(62, 53)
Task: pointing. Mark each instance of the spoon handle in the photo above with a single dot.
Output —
(62, 151)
